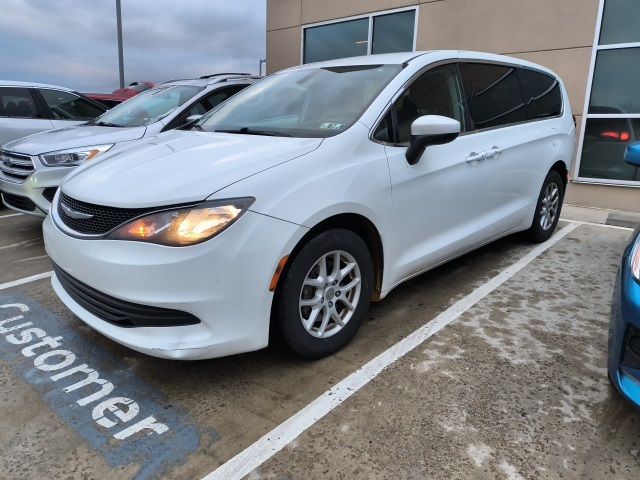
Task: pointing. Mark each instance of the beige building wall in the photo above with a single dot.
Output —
(555, 33)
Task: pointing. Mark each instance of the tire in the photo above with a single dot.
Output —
(300, 327)
(545, 220)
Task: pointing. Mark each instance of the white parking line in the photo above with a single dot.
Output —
(11, 215)
(22, 281)
(274, 441)
(616, 227)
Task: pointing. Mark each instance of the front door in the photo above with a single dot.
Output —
(437, 203)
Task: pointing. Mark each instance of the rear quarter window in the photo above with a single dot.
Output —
(542, 94)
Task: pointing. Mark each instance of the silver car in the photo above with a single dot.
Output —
(27, 108)
(32, 168)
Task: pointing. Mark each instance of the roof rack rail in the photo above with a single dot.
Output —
(221, 74)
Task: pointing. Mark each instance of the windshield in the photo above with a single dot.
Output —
(147, 107)
(315, 103)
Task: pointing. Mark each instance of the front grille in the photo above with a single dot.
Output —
(16, 201)
(49, 192)
(15, 167)
(103, 220)
(120, 312)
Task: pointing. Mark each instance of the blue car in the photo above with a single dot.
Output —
(624, 326)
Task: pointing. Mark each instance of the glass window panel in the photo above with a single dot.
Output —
(68, 106)
(494, 95)
(393, 32)
(620, 22)
(542, 94)
(605, 141)
(337, 40)
(437, 92)
(615, 82)
(17, 103)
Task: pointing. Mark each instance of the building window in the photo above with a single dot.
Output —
(384, 32)
(612, 114)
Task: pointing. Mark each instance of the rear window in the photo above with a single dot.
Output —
(542, 94)
(494, 95)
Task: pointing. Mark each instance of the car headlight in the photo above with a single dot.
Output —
(184, 226)
(73, 156)
(635, 260)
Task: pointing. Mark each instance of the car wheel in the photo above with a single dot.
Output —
(548, 208)
(325, 294)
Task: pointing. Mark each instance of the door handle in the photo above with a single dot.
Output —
(475, 157)
(496, 151)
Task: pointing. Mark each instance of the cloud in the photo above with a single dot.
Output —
(73, 42)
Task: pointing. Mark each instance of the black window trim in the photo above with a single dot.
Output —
(472, 130)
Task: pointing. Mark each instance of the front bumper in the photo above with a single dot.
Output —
(34, 195)
(624, 370)
(224, 282)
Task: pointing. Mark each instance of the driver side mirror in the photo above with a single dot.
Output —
(430, 130)
(632, 154)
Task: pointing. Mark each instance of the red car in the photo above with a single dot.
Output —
(110, 100)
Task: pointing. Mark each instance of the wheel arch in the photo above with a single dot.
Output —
(358, 224)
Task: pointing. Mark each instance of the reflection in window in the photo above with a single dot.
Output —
(336, 40)
(605, 141)
(541, 93)
(393, 32)
(620, 22)
(615, 81)
(494, 95)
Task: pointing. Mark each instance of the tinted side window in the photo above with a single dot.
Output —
(436, 92)
(494, 95)
(542, 94)
(17, 103)
(68, 106)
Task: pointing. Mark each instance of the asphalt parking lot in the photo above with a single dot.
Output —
(507, 380)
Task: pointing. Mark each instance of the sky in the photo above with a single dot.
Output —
(73, 43)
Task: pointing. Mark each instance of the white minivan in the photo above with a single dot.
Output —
(289, 208)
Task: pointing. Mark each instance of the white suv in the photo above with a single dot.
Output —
(32, 168)
(306, 196)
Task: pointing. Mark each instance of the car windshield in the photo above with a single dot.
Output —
(313, 103)
(147, 107)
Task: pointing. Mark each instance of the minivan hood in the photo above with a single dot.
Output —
(72, 137)
(180, 167)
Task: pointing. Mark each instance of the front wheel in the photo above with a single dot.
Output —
(325, 294)
(548, 208)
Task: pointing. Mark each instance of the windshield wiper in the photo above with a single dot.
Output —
(105, 124)
(250, 131)
(199, 127)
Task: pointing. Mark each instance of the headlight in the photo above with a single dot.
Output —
(73, 156)
(635, 260)
(185, 226)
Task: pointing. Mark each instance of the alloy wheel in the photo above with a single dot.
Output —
(330, 294)
(549, 206)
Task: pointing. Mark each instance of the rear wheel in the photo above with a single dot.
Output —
(325, 294)
(548, 208)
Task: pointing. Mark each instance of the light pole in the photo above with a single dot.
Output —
(120, 53)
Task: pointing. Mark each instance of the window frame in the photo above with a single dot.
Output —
(586, 116)
(471, 130)
(369, 16)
